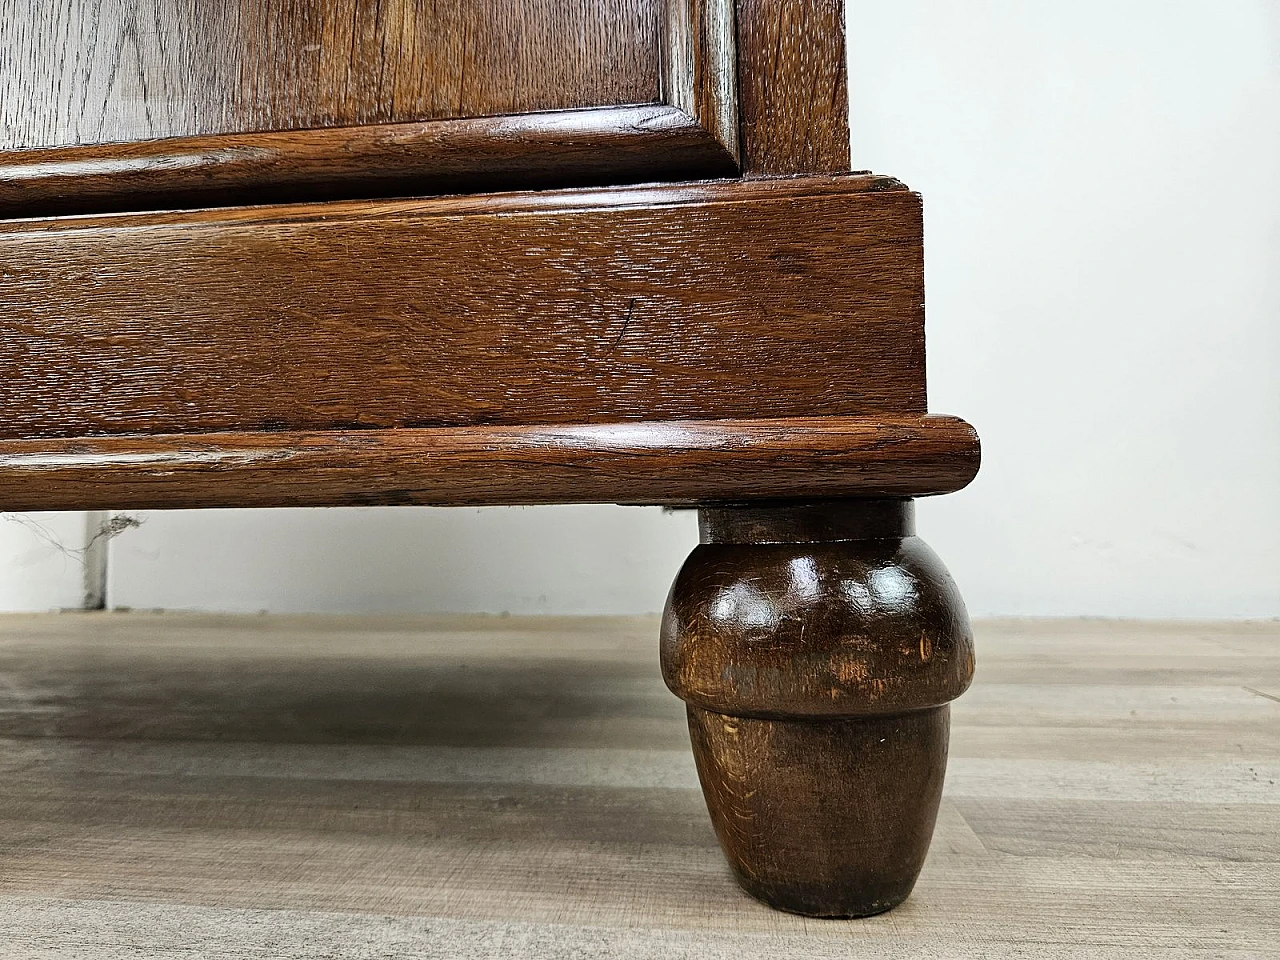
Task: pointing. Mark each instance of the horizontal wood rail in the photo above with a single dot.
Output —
(690, 343)
(721, 300)
(677, 462)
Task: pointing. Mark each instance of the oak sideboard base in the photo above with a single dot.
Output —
(343, 253)
(817, 647)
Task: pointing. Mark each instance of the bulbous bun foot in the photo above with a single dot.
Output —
(817, 647)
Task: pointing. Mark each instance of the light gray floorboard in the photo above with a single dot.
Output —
(244, 787)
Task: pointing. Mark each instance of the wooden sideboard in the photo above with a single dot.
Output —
(324, 252)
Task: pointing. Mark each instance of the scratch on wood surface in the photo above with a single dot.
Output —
(631, 308)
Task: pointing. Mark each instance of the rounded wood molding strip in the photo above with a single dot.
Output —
(667, 462)
(564, 148)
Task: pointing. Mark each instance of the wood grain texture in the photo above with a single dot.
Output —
(384, 121)
(717, 300)
(667, 463)
(817, 675)
(856, 623)
(826, 818)
(106, 71)
(538, 150)
(793, 101)
(484, 787)
(700, 61)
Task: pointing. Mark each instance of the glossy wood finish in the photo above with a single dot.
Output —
(553, 149)
(667, 463)
(683, 125)
(107, 71)
(700, 61)
(827, 818)
(850, 621)
(817, 672)
(755, 347)
(793, 100)
(750, 300)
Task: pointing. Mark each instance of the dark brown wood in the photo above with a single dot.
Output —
(668, 463)
(817, 521)
(828, 818)
(750, 300)
(103, 71)
(700, 64)
(792, 93)
(562, 149)
(111, 71)
(247, 135)
(817, 671)
(754, 348)
(857, 618)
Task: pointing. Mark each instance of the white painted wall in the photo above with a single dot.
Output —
(41, 563)
(1102, 184)
(1102, 196)
(563, 559)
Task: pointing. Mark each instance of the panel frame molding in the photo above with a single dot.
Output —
(700, 68)
(690, 133)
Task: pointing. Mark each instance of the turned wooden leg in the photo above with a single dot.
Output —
(817, 646)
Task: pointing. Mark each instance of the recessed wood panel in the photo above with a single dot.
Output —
(750, 299)
(99, 71)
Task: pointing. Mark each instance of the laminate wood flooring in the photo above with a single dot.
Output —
(187, 786)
